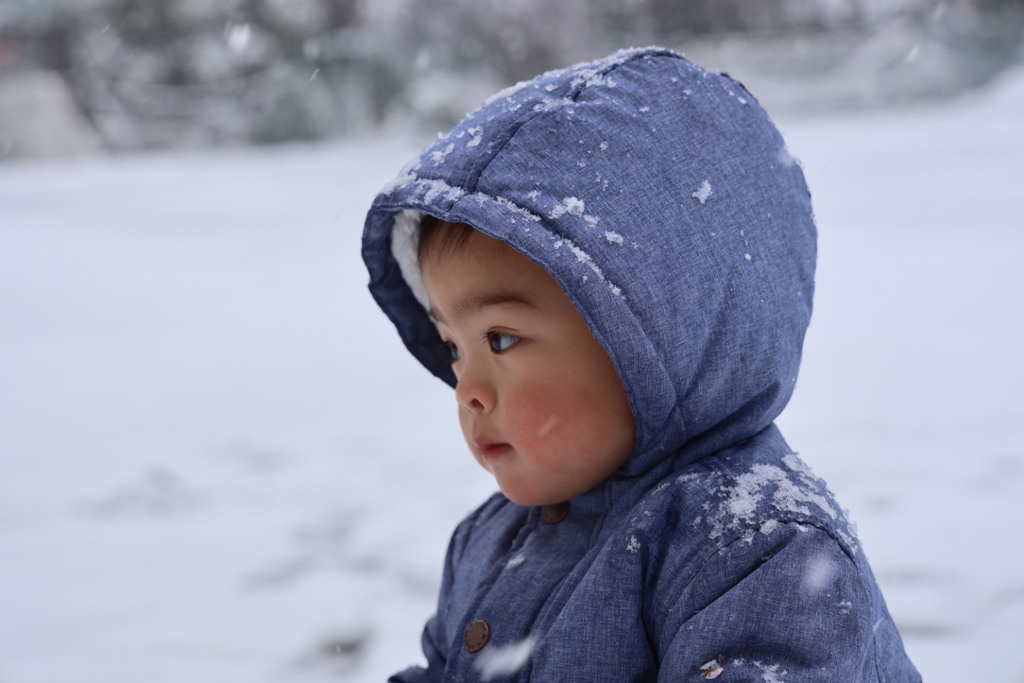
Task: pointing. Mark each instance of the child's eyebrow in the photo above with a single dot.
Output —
(477, 302)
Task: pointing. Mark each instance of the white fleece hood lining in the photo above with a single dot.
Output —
(405, 243)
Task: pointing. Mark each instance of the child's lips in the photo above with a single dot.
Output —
(491, 449)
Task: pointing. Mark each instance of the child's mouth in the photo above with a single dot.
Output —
(490, 450)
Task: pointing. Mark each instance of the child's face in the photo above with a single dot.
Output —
(540, 403)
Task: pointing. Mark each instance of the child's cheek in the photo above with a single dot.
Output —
(542, 429)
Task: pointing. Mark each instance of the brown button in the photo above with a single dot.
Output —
(553, 514)
(476, 635)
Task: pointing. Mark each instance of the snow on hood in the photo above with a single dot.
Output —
(664, 202)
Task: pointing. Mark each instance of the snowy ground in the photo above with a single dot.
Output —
(219, 465)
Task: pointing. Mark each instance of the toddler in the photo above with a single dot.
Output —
(613, 265)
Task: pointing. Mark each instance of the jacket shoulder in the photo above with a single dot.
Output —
(739, 496)
(730, 512)
(754, 533)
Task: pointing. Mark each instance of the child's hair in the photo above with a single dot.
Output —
(440, 237)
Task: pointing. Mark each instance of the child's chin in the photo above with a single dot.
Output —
(529, 498)
(517, 496)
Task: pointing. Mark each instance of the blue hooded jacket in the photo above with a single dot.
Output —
(663, 201)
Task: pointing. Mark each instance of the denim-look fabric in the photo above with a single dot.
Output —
(664, 202)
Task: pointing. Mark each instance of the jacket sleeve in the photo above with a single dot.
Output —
(788, 605)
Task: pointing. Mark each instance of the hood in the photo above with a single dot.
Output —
(664, 202)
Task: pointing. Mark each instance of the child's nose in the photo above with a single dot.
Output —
(475, 394)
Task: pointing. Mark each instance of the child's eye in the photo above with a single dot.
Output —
(501, 341)
(453, 350)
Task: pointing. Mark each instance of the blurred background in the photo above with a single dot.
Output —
(80, 75)
(217, 461)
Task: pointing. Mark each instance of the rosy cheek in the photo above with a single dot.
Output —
(541, 425)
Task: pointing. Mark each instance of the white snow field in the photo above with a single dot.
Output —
(218, 464)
